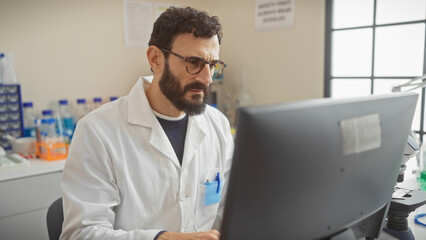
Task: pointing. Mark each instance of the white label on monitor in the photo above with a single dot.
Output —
(361, 134)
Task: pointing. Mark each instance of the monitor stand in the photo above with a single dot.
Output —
(397, 223)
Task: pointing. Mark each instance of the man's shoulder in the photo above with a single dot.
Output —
(214, 114)
(109, 111)
(216, 119)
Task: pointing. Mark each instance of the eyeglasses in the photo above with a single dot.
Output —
(195, 65)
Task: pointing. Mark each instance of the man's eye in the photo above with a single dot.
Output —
(195, 62)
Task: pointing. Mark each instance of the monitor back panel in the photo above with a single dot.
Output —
(292, 176)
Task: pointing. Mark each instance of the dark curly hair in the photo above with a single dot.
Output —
(175, 21)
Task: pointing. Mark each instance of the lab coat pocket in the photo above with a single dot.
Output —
(208, 199)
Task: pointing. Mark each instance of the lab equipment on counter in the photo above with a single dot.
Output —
(47, 113)
(13, 161)
(40, 124)
(80, 110)
(11, 121)
(228, 108)
(29, 119)
(399, 210)
(23, 145)
(1, 66)
(421, 164)
(50, 143)
(244, 97)
(415, 143)
(67, 120)
(97, 102)
(7, 69)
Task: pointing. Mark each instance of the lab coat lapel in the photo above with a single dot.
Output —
(140, 113)
(160, 141)
(195, 134)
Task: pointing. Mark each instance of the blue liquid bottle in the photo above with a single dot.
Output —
(67, 120)
(29, 120)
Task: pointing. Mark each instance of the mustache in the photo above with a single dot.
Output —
(195, 85)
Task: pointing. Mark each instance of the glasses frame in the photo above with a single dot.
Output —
(187, 59)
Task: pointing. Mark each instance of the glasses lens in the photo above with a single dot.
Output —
(217, 68)
(194, 65)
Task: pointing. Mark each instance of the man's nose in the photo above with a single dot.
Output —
(205, 75)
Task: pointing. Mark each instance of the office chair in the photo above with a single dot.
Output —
(54, 219)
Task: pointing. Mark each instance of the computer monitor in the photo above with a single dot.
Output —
(316, 169)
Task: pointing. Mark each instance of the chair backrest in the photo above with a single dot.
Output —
(54, 219)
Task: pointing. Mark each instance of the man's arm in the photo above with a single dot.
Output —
(90, 190)
(209, 235)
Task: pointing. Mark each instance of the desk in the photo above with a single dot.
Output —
(410, 182)
(26, 194)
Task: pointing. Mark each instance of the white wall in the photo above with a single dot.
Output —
(280, 65)
(75, 48)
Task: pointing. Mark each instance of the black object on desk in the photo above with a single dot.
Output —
(316, 169)
(397, 224)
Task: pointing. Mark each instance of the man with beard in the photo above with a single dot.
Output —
(154, 164)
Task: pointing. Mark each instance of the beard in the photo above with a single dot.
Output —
(170, 87)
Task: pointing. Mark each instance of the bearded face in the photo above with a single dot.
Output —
(170, 86)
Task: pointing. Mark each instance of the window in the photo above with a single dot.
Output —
(373, 45)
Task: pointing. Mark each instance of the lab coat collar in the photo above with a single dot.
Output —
(195, 134)
(139, 110)
(140, 113)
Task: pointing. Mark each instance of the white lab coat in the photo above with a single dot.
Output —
(122, 179)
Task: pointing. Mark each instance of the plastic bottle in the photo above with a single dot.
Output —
(1, 66)
(244, 97)
(52, 141)
(53, 138)
(227, 107)
(37, 122)
(80, 110)
(47, 133)
(97, 102)
(46, 114)
(421, 164)
(40, 124)
(8, 73)
(51, 135)
(29, 120)
(67, 120)
(43, 134)
(41, 129)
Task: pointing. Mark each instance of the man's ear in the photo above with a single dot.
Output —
(155, 59)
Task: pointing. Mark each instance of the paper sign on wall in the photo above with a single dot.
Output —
(274, 14)
(137, 23)
(162, 7)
